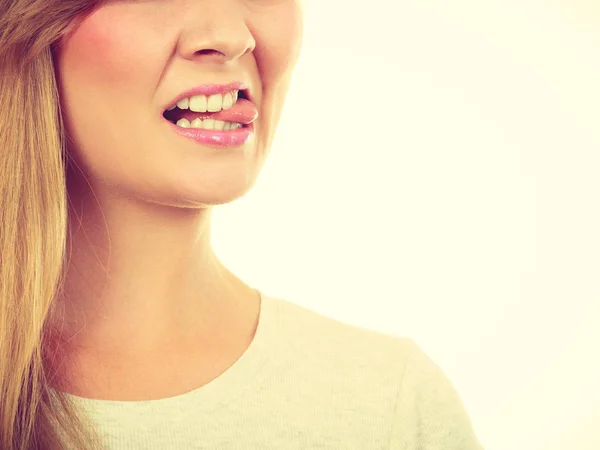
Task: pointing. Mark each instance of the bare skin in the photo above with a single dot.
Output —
(153, 333)
(147, 310)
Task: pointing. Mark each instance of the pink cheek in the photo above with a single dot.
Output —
(97, 52)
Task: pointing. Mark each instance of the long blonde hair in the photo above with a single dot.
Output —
(33, 224)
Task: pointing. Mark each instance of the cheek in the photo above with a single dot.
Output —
(278, 42)
(95, 52)
(105, 66)
(111, 50)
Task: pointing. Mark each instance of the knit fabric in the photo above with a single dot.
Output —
(305, 382)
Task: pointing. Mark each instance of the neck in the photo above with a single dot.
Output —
(140, 274)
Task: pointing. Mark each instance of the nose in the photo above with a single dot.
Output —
(215, 31)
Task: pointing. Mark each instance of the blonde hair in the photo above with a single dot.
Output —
(33, 224)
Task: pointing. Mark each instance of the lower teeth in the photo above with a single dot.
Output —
(209, 124)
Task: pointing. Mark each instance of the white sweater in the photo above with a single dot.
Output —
(305, 382)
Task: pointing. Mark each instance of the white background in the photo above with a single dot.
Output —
(436, 175)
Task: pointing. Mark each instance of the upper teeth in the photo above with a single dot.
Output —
(212, 103)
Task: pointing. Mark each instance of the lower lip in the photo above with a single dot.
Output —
(233, 138)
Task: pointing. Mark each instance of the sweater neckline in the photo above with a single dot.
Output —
(216, 392)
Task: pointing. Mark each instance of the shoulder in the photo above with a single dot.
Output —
(413, 394)
(429, 412)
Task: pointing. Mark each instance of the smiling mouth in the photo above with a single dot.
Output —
(206, 111)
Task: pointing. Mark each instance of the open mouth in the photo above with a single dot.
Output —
(212, 112)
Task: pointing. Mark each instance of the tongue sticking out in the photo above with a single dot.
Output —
(243, 112)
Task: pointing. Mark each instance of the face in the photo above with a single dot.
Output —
(126, 63)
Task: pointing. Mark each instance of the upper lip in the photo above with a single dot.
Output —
(210, 89)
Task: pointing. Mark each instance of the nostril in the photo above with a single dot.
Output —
(209, 51)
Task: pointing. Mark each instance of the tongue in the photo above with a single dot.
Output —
(243, 112)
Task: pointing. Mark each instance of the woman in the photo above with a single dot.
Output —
(122, 124)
